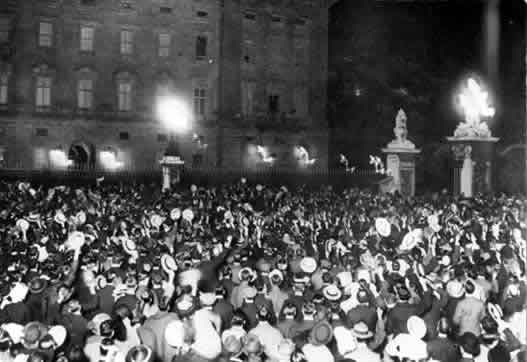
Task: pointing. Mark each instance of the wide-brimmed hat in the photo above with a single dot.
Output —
(407, 346)
(207, 299)
(308, 265)
(332, 292)
(129, 246)
(231, 344)
(276, 276)
(455, 289)
(416, 327)
(37, 285)
(321, 334)
(383, 226)
(141, 350)
(175, 214)
(59, 334)
(33, 332)
(252, 344)
(175, 334)
(168, 263)
(361, 331)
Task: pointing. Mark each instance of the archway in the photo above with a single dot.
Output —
(81, 154)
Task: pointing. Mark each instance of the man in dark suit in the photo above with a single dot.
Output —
(442, 348)
(398, 316)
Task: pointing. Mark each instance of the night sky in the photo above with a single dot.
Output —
(414, 55)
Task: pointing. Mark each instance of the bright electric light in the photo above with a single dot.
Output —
(174, 113)
(302, 156)
(109, 160)
(475, 103)
(264, 154)
(58, 158)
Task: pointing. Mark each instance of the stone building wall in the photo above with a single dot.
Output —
(281, 51)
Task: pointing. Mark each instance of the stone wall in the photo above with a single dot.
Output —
(287, 57)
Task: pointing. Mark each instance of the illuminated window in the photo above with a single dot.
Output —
(45, 34)
(4, 86)
(200, 101)
(87, 35)
(125, 96)
(127, 41)
(85, 94)
(164, 45)
(43, 91)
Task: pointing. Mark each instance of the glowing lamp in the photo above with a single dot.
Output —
(264, 154)
(109, 160)
(302, 156)
(474, 101)
(58, 158)
(173, 113)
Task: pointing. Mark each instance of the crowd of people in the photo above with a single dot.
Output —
(245, 272)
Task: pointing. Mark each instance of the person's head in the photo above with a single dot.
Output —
(469, 344)
(76, 354)
(443, 326)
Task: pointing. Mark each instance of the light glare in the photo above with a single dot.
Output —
(174, 113)
(58, 158)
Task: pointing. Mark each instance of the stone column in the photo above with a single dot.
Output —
(479, 151)
(400, 163)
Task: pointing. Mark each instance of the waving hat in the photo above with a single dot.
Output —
(383, 226)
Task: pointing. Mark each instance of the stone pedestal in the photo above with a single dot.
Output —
(171, 168)
(472, 167)
(400, 164)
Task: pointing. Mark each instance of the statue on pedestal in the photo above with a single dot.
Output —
(401, 132)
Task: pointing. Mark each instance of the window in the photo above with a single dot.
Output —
(201, 47)
(300, 22)
(276, 19)
(41, 132)
(45, 34)
(248, 91)
(164, 45)
(274, 103)
(300, 100)
(250, 16)
(125, 96)
(124, 136)
(43, 91)
(165, 10)
(127, 40)
(248, 52)
(4, 87)
(202, 14)
(200, 101)
(4, 30)
(87, 35)
(85, 94)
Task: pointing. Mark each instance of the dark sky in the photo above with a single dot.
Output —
(386, 55)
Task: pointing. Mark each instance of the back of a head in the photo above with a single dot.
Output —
(499, 354)
(470, 344)
(443, 326)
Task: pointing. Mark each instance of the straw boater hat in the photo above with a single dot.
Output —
(175, 214)
(58, 333)
(383, 226)
(332, 292)
(168, 263)
(416, 327)
(308, 265)
(321, 334)
(361, 331)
